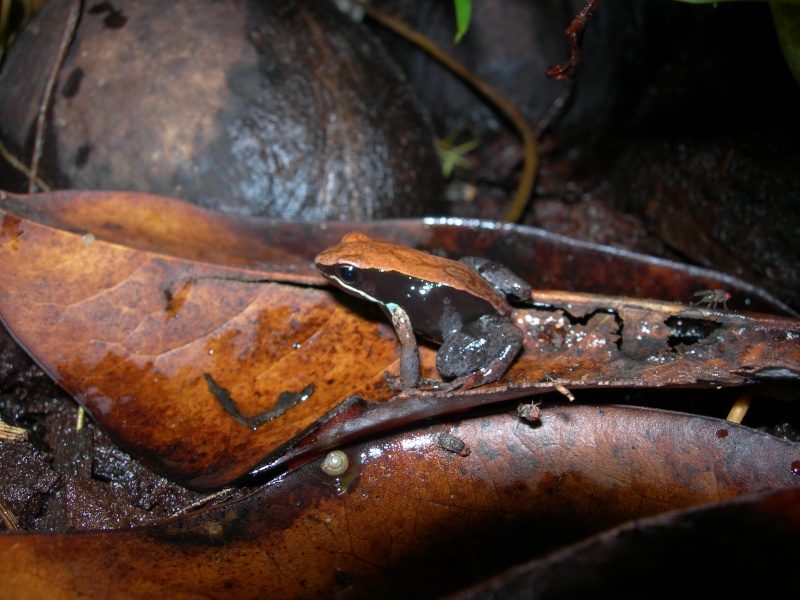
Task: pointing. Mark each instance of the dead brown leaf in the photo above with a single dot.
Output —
(580, 341)
(411, 518)
(135, 336)
(213, 358)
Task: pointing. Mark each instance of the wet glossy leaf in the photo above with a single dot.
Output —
(284, 251)
(196, 342)
(577, 341)
(201, 350)
(411, 518)
(148, 343)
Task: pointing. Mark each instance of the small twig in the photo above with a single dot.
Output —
(554, 111)
(562, 389)
(21, 167)
(525, 188)
(9, 433)
(8, 518)
(204, 501)
(574, 35)
(5, 31)
(47, 96)
(739, 408)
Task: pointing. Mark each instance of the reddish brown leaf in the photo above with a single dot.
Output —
(133, 335)
(156, 343)
(167, 226)
(285, 250)
(580, 341)
(412, 517)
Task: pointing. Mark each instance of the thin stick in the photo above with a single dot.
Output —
(739, 408)
(9, 433)
(21, 167)
(47, 96)
(8, 518)
(574, 35)
(525, 188)
(5, 11)
(203, 501)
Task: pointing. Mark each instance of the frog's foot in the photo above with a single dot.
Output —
(471, 380)
(436, 385)
(429, 383)
(396, 383)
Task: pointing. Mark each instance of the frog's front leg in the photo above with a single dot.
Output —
(480, 352)
(409, 351)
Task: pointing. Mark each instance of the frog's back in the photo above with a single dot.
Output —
(367, 255)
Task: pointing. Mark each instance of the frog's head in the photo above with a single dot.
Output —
(355, 262)
(391, 274)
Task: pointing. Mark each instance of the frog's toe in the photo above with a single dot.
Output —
(395, 382)
(471, 380)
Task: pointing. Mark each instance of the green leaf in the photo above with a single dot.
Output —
(787, 25)
(463, 15)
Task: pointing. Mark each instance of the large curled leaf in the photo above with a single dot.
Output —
(580, 342)
(409, 518)
(148, 343)
(179, 339)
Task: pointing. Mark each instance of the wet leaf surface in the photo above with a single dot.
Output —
(133, 336)
(212, 360)
(578, 341)
(670, 555)
(280, 250)
(411, 518)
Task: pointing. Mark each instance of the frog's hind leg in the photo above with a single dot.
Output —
(479, 353)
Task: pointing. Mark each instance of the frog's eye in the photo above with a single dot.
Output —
(349, 274)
